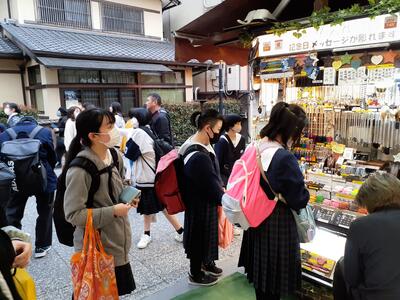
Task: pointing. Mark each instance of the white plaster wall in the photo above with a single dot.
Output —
(153, 24)
(147, 4)
(51, 100)
(96, 16)
(10, 88)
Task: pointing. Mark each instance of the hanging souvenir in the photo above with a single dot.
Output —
(389, 56)
(397, 61)
(297, 69)
(346, 59)
(308, 62)
(366, 58)
(337, 64)
(291, 62)
(376, 59)
(328, 60)
(285, 64)
(312, 72)
(355, 64)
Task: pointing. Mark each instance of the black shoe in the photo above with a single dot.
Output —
(41, 251)
(212, 269)
(202, 279)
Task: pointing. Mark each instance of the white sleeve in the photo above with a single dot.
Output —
(69, 133)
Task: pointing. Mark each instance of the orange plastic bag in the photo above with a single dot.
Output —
(225, 229)
(93, 270)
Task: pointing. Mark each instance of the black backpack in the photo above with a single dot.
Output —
(64, 229)
(160, 146)
(22, 156)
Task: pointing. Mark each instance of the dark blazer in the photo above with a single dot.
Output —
(47, 153)
(371, 261)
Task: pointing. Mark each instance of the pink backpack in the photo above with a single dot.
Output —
(244, 201)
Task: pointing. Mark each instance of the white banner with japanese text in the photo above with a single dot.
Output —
(358, 32)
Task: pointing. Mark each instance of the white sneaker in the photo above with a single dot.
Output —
(144, 241)
(179, 237)
(236, 231)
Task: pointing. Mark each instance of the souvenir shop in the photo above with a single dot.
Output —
(347, 78)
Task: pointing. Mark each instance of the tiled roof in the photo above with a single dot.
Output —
(44, 40)
(8, 48)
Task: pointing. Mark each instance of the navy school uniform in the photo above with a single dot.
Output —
(227, 153)
(203, 190)
(270, 253)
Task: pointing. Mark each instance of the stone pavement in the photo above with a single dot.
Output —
(157, 268)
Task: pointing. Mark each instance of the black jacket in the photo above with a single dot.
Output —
(161, 126)
(371, 261)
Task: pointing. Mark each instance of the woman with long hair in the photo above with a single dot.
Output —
(96, 137)
(270, 253)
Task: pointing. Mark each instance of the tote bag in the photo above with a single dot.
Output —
(93, 271)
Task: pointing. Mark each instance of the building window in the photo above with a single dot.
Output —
(101, 97)
(37, 100)
(71, 13)
(177, 77)
(122, 18)
(171, 96)
(94, 76)
(34, 75)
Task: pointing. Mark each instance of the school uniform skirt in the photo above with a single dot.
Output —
(125, 281)
(149, 204)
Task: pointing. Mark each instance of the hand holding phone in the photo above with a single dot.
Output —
(130, 195)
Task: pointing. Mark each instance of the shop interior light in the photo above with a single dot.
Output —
(353, 48)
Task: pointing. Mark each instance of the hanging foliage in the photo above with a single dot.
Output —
(325, 16)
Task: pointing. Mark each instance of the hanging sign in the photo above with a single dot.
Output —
(382, 29)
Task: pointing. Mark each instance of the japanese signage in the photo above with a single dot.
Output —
(365, 31)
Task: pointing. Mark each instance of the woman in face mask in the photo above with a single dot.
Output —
(203, 192)
(96, 137)
(12, 111)
(270, 253)
(230, 146)
(70, 128)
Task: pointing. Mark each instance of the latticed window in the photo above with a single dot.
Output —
(122, 18)
(71, 13)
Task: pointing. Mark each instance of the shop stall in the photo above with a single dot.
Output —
(347, 79)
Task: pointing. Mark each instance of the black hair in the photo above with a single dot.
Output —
(131, 112)
(286, 120)
(14, 106)
(230, 121)
(87, 121)
(71, 111)
(155, 97)
(142, 115)
(116, 108)
(207, 117)
(88, 106)
(62, 111)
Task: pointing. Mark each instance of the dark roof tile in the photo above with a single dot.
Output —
(72, 42)
(7, 47)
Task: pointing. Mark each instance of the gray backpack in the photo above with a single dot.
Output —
(22, 157)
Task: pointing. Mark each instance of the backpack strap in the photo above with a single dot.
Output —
(11, 132)
(35, 132)
(91, 168)
(193, 148)
(149, 132)
(115, 157)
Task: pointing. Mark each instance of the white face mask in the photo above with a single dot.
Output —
(7, 111)
(115, 138)
(58, 113)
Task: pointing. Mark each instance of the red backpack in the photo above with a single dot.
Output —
(169, 180)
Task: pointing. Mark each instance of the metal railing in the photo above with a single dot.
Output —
(69, 13)
(122, 18)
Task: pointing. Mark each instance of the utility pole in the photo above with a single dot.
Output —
(221, 88)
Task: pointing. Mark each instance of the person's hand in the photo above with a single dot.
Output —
(23, 251)
(128, 182)
(135, 203)
(121, 209)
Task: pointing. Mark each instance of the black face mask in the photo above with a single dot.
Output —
(214, 139)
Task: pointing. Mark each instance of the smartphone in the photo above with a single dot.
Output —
(130, 195)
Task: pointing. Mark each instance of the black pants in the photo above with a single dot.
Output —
(60, 149)
(195, 265)
(340, 291)
(44, 206)
(260, 295)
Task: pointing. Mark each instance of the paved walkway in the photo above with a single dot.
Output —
(160, 270)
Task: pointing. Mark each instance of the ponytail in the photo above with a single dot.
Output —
(208, 117)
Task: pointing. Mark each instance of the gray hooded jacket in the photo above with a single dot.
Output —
(115, 232)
